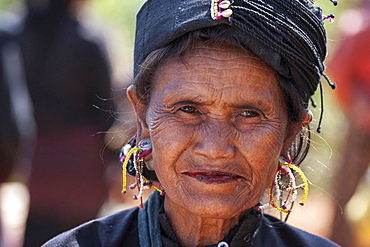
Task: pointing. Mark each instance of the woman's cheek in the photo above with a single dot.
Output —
(170, 138)
(262, 150)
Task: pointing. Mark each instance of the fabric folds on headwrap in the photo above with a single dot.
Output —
(288, 35)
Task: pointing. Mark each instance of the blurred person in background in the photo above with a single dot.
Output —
(9, 136)
(350, 68)
(68, 78)
(17, 126)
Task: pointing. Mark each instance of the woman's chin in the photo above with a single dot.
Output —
(215, 207)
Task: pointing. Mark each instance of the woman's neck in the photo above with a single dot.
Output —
(194, 230)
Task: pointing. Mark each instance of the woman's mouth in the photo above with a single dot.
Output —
(213, 177)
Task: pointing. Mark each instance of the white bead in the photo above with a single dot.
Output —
(227, 13)
(223, 244)
(224, 4)
(126, 149)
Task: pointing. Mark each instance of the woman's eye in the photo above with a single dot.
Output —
(188, 109)
(250, 114)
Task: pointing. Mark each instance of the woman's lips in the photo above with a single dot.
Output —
(213, 177)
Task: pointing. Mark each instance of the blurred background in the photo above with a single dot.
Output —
(70, 41)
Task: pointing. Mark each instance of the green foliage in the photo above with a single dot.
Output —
(120, 14)
(5, 5)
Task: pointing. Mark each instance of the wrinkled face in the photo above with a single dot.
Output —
(218, 124)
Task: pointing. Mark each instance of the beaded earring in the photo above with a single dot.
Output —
(283, 191)
(132, 159)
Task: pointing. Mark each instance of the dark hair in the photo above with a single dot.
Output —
(216, 36)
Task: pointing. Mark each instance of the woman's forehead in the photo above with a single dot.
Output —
(220, 54)
(216, 67)
(209, 74)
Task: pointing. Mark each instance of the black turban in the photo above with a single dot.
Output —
(287, 34)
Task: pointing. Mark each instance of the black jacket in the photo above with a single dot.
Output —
(121, 229)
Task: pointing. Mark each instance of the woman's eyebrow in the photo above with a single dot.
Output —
(184, 95)
(187, 102)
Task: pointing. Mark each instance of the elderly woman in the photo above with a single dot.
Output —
(221, 92)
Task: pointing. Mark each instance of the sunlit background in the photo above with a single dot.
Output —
(115, 20)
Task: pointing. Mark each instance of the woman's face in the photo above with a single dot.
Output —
(218, 124)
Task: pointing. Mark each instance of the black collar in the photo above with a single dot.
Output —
(240, 235)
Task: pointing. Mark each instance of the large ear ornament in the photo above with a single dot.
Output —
(132, 158)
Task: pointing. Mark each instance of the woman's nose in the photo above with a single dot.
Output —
(215, 142)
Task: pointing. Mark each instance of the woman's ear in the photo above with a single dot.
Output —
(140, 108)
(307, 118)
(292, 131)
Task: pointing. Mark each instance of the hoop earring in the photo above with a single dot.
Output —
(132, 159)
(285, 189)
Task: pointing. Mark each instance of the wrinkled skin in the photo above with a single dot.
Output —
(218, 123)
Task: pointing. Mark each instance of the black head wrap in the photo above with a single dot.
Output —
(287, 34)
